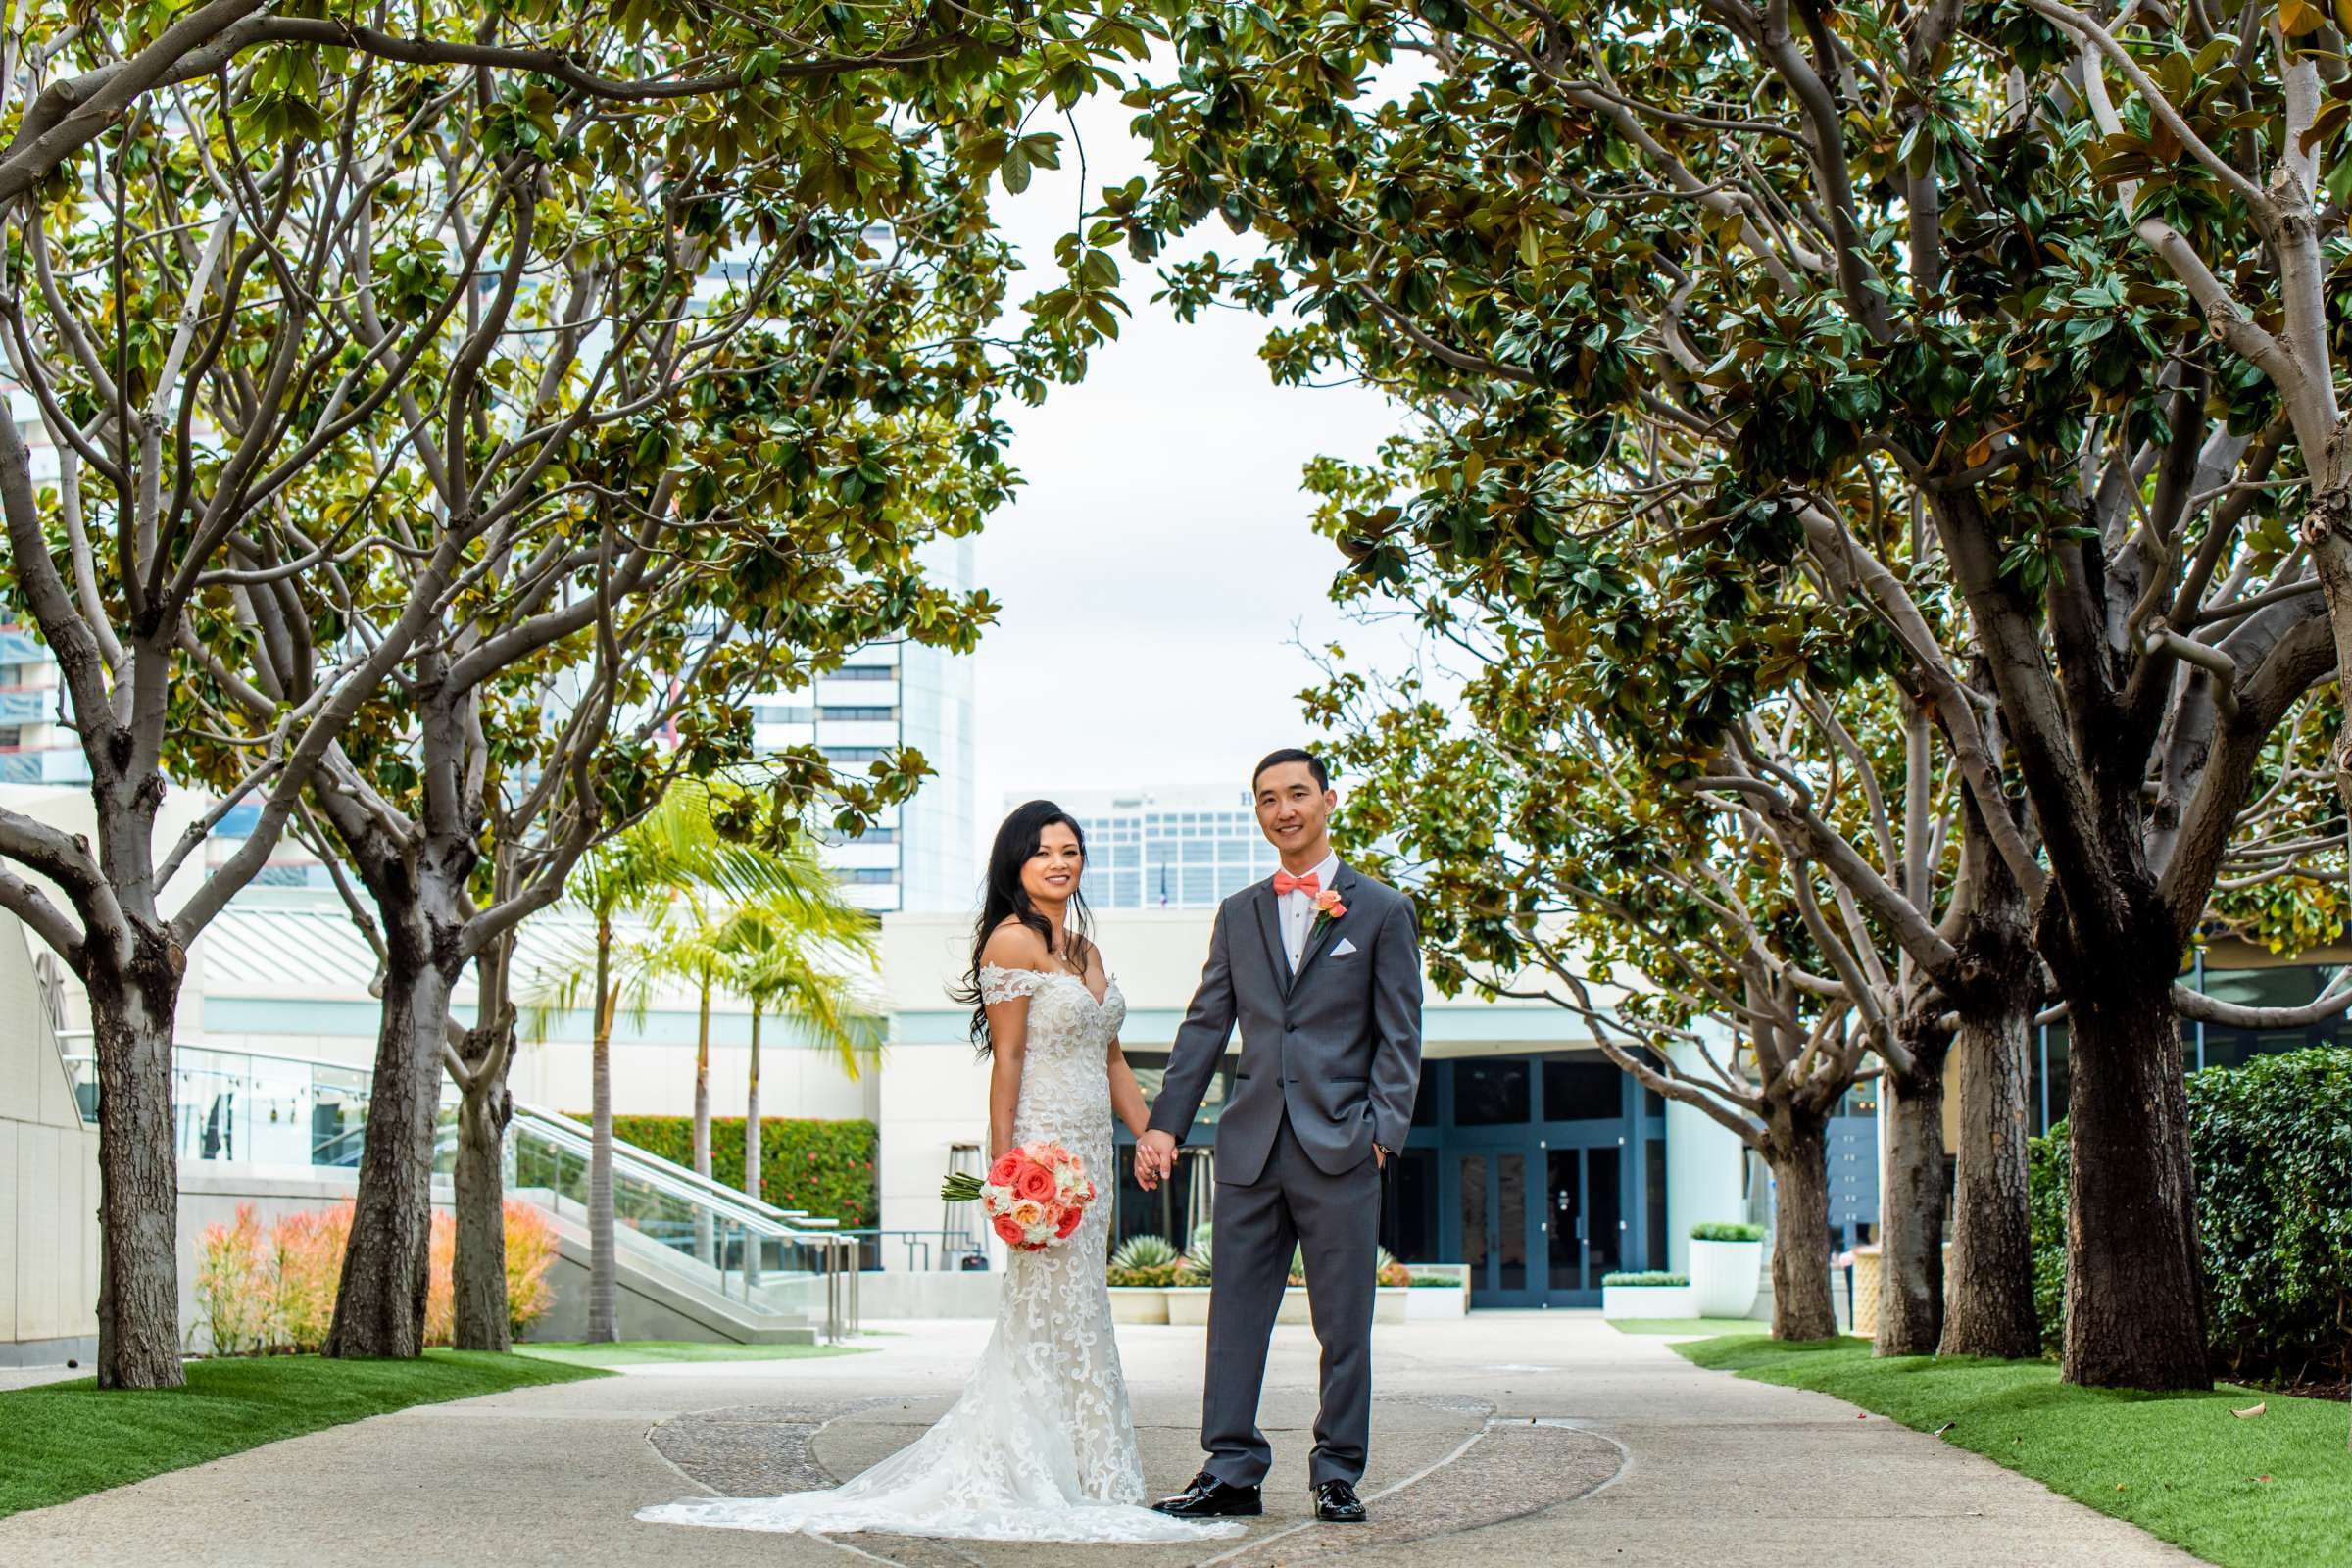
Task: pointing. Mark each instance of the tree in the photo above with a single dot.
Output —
(627, 886)
(239, 243)
(1792, 267)
(786, 948)
(729, 370)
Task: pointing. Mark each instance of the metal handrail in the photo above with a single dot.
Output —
(675, 1180)
(704, 1186)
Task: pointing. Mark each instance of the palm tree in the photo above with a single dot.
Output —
(799, 974)
(789, 949)
(636, 879)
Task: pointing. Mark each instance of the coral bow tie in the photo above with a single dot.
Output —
(1309, 884)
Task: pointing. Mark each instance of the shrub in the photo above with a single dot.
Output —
(1645, 1277)
(2272, 1148)
(232, 1285)
(279, 1294)
(1726, 1231)
(824, 1167)
(308, 1248)
(530, 1253)
(440, 1281)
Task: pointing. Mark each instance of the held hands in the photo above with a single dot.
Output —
(1155, 1158)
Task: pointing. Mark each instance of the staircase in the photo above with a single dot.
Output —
(694, 1260)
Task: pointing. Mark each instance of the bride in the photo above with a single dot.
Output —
(1041, 1447)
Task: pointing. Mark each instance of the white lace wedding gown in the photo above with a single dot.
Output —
(1042, 1445)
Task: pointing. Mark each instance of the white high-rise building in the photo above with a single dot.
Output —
(889, 697)
(1176, 849)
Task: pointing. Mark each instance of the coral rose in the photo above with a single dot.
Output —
(1070, 1218)
(1006, 1171)
(1035, 1184)
(1009, 1231)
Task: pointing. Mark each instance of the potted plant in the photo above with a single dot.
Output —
(1726, 1259)
(1646, 1294)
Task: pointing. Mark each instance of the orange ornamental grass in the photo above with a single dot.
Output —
(257, 1296)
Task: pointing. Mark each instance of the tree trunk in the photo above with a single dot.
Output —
(1798, 1149)
(480, 1282)
(603, 1282)
(751, 1150)
(702, 1119)
(138, 1169)
(2135, 1293)
(1992, 1311)
(1911, 1204)
(379, 1304)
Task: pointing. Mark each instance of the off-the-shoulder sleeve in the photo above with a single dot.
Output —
(1006, 985)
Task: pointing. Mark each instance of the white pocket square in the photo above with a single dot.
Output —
(1344, 948)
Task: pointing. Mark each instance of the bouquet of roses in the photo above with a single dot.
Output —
(1034, 1196)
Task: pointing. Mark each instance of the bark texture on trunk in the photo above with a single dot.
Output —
(1911, 1206)
(379, 1305)
(2135, 1291)
(1797, 1146)
(138, 1169)
(1991, 1307)
(480, 1269)
(603, 1282)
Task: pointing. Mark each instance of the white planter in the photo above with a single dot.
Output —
(1723, 1277)
(1139, 1303)
(1648, 1300)
(1188, 1305)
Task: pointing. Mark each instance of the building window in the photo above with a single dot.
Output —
(864, 673)
(856, 754)
(1490, 1093)
(871, 876)
(783, 713)
(867, 716)
(1587, 1090)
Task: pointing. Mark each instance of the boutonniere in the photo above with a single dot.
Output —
(1327, 909)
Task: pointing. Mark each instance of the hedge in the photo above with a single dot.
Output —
(824, 1167)
(2272, 1146)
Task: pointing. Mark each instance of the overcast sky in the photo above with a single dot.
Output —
(1160, 564)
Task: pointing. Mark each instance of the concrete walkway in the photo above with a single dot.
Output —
(1504, 1439)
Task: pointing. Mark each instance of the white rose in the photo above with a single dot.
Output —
(1037, 1235)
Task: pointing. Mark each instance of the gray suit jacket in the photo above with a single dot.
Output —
(1337, 1046)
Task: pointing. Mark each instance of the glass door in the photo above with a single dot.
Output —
(1497, 1217)
(1583, 1222)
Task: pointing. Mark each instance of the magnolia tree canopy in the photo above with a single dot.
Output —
(390, 401)
(2017, 326)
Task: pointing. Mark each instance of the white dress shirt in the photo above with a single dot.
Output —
(1298, 911)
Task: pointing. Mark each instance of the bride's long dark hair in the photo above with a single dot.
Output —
(1005, 899)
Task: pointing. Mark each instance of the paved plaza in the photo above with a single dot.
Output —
(1504, 1437)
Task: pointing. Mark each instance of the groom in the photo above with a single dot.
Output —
(1321, 969)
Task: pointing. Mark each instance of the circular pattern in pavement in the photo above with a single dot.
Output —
(1509, 1466)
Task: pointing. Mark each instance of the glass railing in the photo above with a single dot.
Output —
(694, 1232)
(258, 1108)
(254, 1107)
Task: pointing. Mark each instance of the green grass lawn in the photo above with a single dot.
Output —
(1689, 1325)
(62, 1440)
(654, 1352)
(2273, 1490)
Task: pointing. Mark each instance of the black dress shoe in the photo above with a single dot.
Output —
(1207, 1497)
(1336, 1504)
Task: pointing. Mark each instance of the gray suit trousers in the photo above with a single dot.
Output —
(1336, 1221)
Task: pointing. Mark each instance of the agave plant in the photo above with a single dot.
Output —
(1145, 1261)
(1197, 1256)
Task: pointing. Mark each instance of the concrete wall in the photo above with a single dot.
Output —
(48, 1179)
